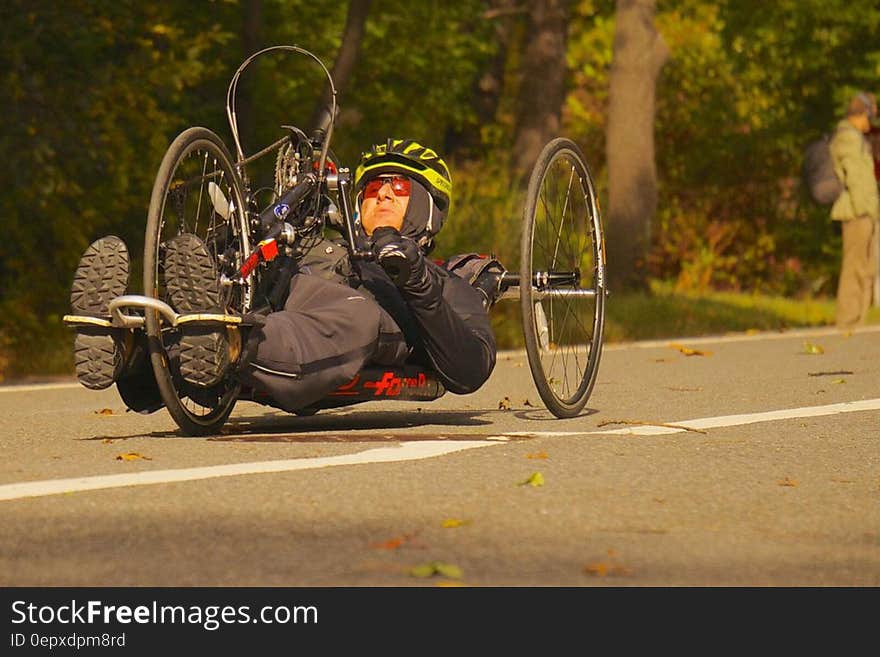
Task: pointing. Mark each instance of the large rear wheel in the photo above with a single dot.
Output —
(562, 278)
(198, 191)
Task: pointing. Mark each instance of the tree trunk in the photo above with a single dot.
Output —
(346, 59)
(542, 90)
(639, 54)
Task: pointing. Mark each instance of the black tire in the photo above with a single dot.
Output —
(563, 314)
(180, 202)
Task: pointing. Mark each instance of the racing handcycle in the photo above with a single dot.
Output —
(204, 188)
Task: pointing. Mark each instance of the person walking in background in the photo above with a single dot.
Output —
(858, 208)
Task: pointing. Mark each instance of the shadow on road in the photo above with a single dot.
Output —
(288, 428)
(543, 414)
(347, 427)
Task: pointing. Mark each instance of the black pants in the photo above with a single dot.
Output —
(322, 338)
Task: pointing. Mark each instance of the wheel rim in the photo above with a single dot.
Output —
(566, 316)
(187, 206)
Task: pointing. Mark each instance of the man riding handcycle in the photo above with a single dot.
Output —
(244, 302)
(401, 309)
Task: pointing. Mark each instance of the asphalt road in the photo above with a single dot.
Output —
(680, 474)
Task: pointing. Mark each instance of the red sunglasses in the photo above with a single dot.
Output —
(400, 185)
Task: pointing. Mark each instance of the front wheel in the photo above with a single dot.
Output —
(198, 191)
(562, 278)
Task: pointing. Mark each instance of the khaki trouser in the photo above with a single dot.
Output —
(857, 271)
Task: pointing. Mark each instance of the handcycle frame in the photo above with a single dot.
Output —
(310, 187)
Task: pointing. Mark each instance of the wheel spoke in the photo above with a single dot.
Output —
(195, 229)
(562, 222)
(565, 346)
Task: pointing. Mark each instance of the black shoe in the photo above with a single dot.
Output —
(101, 276)
(193, 287)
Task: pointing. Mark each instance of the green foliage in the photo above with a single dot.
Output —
(486, 212)
(416, 73)
(90, 89)
(590, 50)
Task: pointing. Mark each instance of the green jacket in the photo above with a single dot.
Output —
(854, 165)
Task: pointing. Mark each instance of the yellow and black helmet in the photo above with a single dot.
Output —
(411, 159)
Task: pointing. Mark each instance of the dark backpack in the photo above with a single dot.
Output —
(818, 171)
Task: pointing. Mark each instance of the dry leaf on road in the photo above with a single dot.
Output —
(788, 481)
(450, 523)
(436, 568)
(504, 404)
(604, 569)
(537, 455)
(132, 456)
(537, 479)
(813, 349)
(687, 351)
(394, 542)
(105, 411)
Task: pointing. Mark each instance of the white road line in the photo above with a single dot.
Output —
(39, 386)
(720, 421)
(410, 451)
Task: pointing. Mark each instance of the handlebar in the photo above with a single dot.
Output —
(324, 124)
(233, 119)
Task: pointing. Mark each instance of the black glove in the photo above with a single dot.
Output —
(488, 281)
(399, 256)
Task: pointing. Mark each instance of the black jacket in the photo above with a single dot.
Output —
(443, 320)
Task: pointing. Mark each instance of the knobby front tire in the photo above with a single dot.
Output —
(197, 190)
